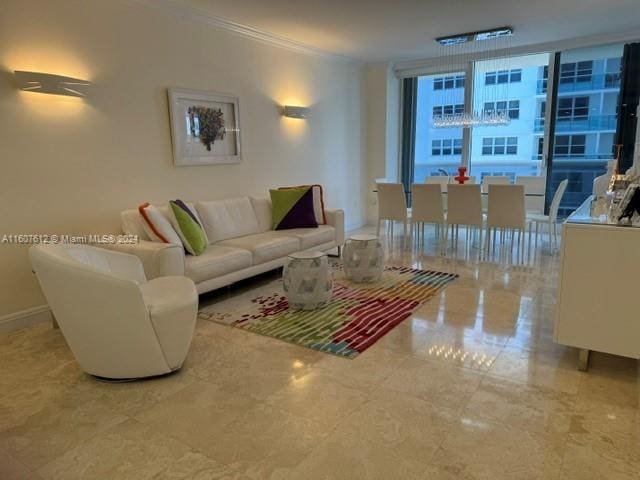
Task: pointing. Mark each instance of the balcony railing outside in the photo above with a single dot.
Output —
(600, 81)
(578, 124)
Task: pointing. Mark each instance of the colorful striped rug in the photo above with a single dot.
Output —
(357, 317)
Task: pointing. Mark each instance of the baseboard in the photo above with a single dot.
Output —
(25, 318)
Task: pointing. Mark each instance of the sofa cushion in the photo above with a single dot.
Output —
(156, 225)
(223, 219)
(311, 237)
(292, 208)
(262, 207)
(215, 262)
(187, 227)
(265, 246)
(132, 223)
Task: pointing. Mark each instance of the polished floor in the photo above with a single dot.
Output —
(471, 387)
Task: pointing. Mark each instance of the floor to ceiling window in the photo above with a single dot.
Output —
(574, 141)
(586, 120)
(510, 150)
(438, 151)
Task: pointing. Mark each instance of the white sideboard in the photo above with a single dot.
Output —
(599, 286)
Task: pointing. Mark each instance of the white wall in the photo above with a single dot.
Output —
(382, 102)
(70, 165)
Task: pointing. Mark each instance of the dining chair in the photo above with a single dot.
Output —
(464, 207)
(494, 180)
(506, 212)
(426, 207)
(552, 219)
(441, 180)
(392, 205)
(534, 187)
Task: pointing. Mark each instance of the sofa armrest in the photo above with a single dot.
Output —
(335, 218)
(158, 259)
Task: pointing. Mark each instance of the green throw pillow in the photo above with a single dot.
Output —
(292, 208)
(187, 227)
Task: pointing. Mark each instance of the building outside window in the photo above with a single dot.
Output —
(512, 107)
(573, 108)
(576, 72)
(500, 146)
(447, 83)
(447, 146)
(567, 146)
(503, 76)
(440, 110)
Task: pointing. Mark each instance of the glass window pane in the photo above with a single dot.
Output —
(430, 155)
(586, 120)
(523, 98)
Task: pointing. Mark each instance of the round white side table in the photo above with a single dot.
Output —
(307, 280)
(363, 258)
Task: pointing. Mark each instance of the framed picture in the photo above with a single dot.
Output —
(205, 127)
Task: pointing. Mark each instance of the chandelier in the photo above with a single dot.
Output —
(473, 56)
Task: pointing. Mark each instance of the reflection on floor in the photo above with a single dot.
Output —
(471, 387)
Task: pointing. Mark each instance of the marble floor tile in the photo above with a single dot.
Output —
(524, 407)
(265, 442)
(130, 451)
(438, 383)
(555, 370)
(196, 466)
(479, 449)
(195, 412)
(54, 430)
(366, 371)
(320, 397)
(347, 455)
(12, 469)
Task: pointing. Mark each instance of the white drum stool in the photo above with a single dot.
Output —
(307, 280)
(363, 258)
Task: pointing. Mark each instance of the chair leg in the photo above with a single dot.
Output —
(412, 231)
(487, 243)
(404, 234)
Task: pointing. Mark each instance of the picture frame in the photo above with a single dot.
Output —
(205, 127)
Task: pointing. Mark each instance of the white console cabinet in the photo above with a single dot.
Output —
(599, 286)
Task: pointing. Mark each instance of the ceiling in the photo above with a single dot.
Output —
(377, 30)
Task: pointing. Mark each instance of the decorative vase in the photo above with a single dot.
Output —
(461, 178)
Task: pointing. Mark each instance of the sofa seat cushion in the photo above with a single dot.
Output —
(265, 246)
(311, 237)
(217, 260)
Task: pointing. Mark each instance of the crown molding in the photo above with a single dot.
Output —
(196, 15)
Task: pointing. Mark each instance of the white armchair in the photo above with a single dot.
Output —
(118, 325)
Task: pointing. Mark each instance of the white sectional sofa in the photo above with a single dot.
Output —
(241, 242)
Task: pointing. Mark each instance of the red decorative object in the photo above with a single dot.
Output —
(461, 178)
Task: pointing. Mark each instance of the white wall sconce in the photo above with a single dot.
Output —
(52, 84)
(291, 111)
